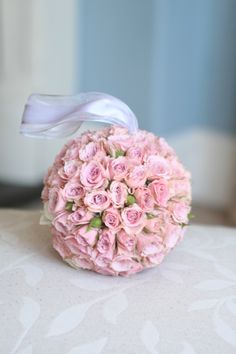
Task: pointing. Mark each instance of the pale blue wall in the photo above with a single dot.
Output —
(173, 62)
(116, 49)
(194, 64)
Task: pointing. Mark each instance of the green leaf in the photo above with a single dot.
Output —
(119, 153)
(69, 206)
(95, 222)
(130, 199)
(150, 216)
(191, 215)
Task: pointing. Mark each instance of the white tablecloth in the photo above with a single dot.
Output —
(186, 305)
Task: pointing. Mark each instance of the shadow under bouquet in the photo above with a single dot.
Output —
(117, 199)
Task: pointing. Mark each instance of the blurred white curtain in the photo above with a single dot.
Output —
(37, 54)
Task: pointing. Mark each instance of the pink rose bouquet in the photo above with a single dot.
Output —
(117, 203)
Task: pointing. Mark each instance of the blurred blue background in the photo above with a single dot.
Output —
(173, 62)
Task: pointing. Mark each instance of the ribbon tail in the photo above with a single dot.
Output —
(54, 116)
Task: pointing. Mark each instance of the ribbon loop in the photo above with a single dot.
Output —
(55, 116)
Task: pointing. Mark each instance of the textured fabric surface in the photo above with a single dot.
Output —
(186, 305)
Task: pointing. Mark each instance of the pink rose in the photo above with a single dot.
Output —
(158, 166)
(151, 150)
(125, 265)
(80, 261)
(100, 134)
(158, 221)
(126, 242)
(121, 142)
(97, 201)
(90, 150)
(180, 188)
(154, 259)
(89, 236)
(164, 148)
(118, 193)
(56, 181)
(104, 269)
(72, 152)
(115, 130)
(137, 176)
(56, 201)
(144, 199)
(119, 168)
(80, 216)
(151, 248)
(180, 212)
(75, 245)
(111, 218)
(82, 241)
(149, 245)
(106, 243)
(60, 222)
(105, 162)
(102, 264)
(53, 179)
(92, 175)
(154, 224)
(135, 153)
(73, 191)
(133, 219)
(146, 140)
(70, 169)
(177, 169)
(59, 244)
(85, 138)
(160, 191)
(101, 261)
(173, 234)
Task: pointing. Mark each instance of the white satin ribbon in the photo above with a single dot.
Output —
(55, 116)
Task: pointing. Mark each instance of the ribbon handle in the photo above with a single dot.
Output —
(55, 116)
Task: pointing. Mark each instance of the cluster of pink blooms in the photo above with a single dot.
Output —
(117, 203)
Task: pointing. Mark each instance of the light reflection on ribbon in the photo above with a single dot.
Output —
(53, 116)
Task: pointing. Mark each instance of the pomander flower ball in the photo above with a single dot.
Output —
(117, 203)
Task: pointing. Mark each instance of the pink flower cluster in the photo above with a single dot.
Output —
(117, 203)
